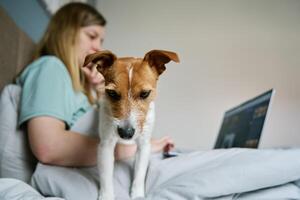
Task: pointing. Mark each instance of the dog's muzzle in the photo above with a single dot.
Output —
(126, 132)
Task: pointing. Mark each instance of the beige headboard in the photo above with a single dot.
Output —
(15, 50)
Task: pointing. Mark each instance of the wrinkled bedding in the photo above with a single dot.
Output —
(13, 189)
(227, 174)
(215, 174)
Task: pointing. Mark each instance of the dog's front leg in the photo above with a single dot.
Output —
(105, 168)
(140, 168)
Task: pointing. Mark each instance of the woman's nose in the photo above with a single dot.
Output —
(97, 45)
(95, 48)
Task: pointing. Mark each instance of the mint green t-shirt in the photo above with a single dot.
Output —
(47, 91)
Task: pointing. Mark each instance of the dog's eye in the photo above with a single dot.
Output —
(113, 94)
(144, 94)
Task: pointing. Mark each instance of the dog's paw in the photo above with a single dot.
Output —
(106, 196)
(137, 192)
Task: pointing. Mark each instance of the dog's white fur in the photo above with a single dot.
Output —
(109, 138)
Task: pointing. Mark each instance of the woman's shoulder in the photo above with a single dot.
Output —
(52, 62)
(44, 66)
(49, 58)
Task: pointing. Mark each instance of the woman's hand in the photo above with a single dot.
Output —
(163, 144)
(95, 78)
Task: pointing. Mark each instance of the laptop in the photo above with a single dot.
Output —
(242, 125)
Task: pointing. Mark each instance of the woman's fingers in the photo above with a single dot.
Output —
(95, 71)
(92, 74)
(164, 144)
(169, 145)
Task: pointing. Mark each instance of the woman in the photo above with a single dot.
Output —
(57, 90)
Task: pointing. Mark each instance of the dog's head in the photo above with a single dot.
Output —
(130, 87)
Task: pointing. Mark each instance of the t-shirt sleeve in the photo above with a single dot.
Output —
(46, 91)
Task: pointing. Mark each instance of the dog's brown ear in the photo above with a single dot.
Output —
(158, 59)
(103, 60)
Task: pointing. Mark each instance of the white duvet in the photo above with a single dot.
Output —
(215, 174)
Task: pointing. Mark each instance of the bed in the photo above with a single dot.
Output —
(212, 174)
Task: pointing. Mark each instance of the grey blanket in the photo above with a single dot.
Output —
(227, 174)
(216, 174)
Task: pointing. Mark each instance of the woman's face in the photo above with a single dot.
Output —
(90, 40)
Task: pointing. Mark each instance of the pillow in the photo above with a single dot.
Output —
(65, 182)
(13, 189)
(87, 124)
(16, 159)
(80, 183)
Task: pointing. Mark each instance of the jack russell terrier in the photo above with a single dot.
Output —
(127, 112)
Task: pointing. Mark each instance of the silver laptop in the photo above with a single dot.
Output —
(242, 125)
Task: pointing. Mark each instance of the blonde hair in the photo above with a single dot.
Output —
(60, 39)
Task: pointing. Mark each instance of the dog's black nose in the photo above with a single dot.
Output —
(126, 132)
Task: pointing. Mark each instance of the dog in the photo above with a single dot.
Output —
(127, 111)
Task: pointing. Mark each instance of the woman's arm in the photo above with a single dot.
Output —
(53, 145)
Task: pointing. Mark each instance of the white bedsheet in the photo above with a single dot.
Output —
(235, 173)
(215, 175)
(13, 189)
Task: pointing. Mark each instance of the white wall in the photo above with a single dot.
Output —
(230, 51)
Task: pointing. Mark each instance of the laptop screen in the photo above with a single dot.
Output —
(242, 126)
